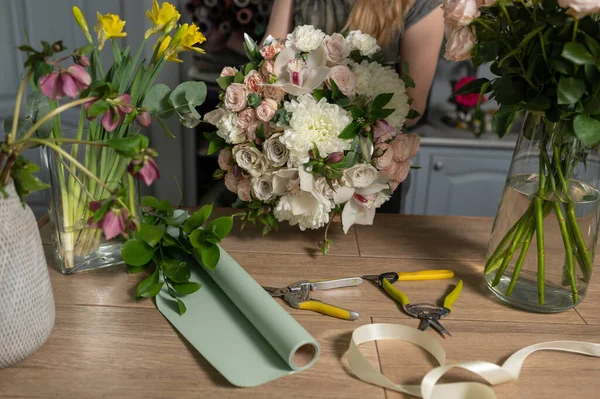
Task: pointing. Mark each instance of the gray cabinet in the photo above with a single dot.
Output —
(461, 179)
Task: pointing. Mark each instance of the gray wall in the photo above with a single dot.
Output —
(52, 20)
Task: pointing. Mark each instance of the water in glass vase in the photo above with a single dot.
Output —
(570, 231)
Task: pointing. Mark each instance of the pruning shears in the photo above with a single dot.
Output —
(429, 314)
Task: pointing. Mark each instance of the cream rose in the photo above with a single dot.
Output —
(266, 110)
(459, 13)
(250, 159)
(262, 187)
(361, 175)
(336, 48)
(344, 78)
(236, 97)
(580, 8)
(365, 44)
(225, 159)
(384, 155)
(274, 93)
(276, 153)
(246, 118)
(244, 187)
(459, 43)
(254, 82)
(228, 71)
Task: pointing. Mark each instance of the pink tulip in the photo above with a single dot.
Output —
(143, 119)
(146, 170)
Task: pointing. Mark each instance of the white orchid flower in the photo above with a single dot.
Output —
(361, 203)
(297, 76)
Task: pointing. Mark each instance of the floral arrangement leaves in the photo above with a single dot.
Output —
(173, 240)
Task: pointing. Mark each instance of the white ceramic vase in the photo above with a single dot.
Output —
(26, 300)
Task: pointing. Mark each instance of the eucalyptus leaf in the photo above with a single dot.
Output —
(186, 96)
(366, 147)
(157, 101)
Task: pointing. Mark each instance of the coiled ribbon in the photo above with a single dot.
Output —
(429, 389)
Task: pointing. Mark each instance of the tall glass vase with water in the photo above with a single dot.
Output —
(542, 245)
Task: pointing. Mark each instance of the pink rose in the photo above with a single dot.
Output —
(225, 159)
(486, 3)
(254, 82)
(344, 78)
(268, 70)
(228, 71)
(458, 13)
(405, 146)
(231, 182)
(382, 131)
(246, 118)
(270, 51)
(236, 97)
(580, 8)
(336, 48)
(384, 155)
(244, 187)
(266, 110)
(274, 93)
(251, 131)
(459, 43)
(396, 172)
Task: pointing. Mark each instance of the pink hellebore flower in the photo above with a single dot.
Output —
(119, 106)
(69, 82)
(143, 119)
(113, 223)
(145, 170)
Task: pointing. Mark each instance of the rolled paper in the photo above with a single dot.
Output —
(239, 328)
(225, 27)
(429, 388)
(244, 16)
(205, 25)
(264, 8)
(257, 2)
(241, 3)
(201, 12)
(211, 3)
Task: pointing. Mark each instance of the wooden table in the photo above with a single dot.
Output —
(107, 345)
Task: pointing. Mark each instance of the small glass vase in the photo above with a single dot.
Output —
(78, 246)
(541, 249)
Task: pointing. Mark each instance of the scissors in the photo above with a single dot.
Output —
(429, 314)
(297, 295)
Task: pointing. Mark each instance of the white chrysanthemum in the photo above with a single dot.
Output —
(373, 79)
(316, 214)
(305, 38)
(366, 44)
(314, 124)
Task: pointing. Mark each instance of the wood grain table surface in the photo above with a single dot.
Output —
(107, 345)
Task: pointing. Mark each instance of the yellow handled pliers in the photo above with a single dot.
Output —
(429, 314)
(297, 295)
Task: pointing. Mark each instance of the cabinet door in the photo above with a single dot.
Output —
(467, 184)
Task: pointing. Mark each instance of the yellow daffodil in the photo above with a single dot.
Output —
(109, 26)
(167, 50)
(80, 19)
(163, 18)
(191, 37)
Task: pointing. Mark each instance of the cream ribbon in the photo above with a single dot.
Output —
(428, 389)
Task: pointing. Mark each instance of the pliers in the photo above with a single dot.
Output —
(429, 314)
(297, 295)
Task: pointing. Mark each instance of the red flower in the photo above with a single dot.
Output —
(467, 100)
(145, 170)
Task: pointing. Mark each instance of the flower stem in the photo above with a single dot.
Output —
(568, 250)
(539, 227)
(12, 135)
(6, 171)
(510, 252)
(520, 261)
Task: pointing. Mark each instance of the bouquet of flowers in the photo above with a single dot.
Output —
(310, 129)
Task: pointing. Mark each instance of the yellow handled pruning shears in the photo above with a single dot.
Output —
(428, 314)
(297, 295)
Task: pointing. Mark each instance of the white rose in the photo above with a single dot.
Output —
(344, 78)
(459, 43)
(305, 38)
(236, 97)
(337, 48)
(228, 130)
(266, 110)
(250, 159)
(361, 175)
(580, 8)
(262, 187)
(459, 13)
(366, 44)
(276, 153)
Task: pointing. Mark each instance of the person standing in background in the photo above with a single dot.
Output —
(406, 30)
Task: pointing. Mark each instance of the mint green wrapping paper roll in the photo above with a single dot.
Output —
(239, 328)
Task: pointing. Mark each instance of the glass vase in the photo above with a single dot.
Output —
(78, 246)
(541, 249)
